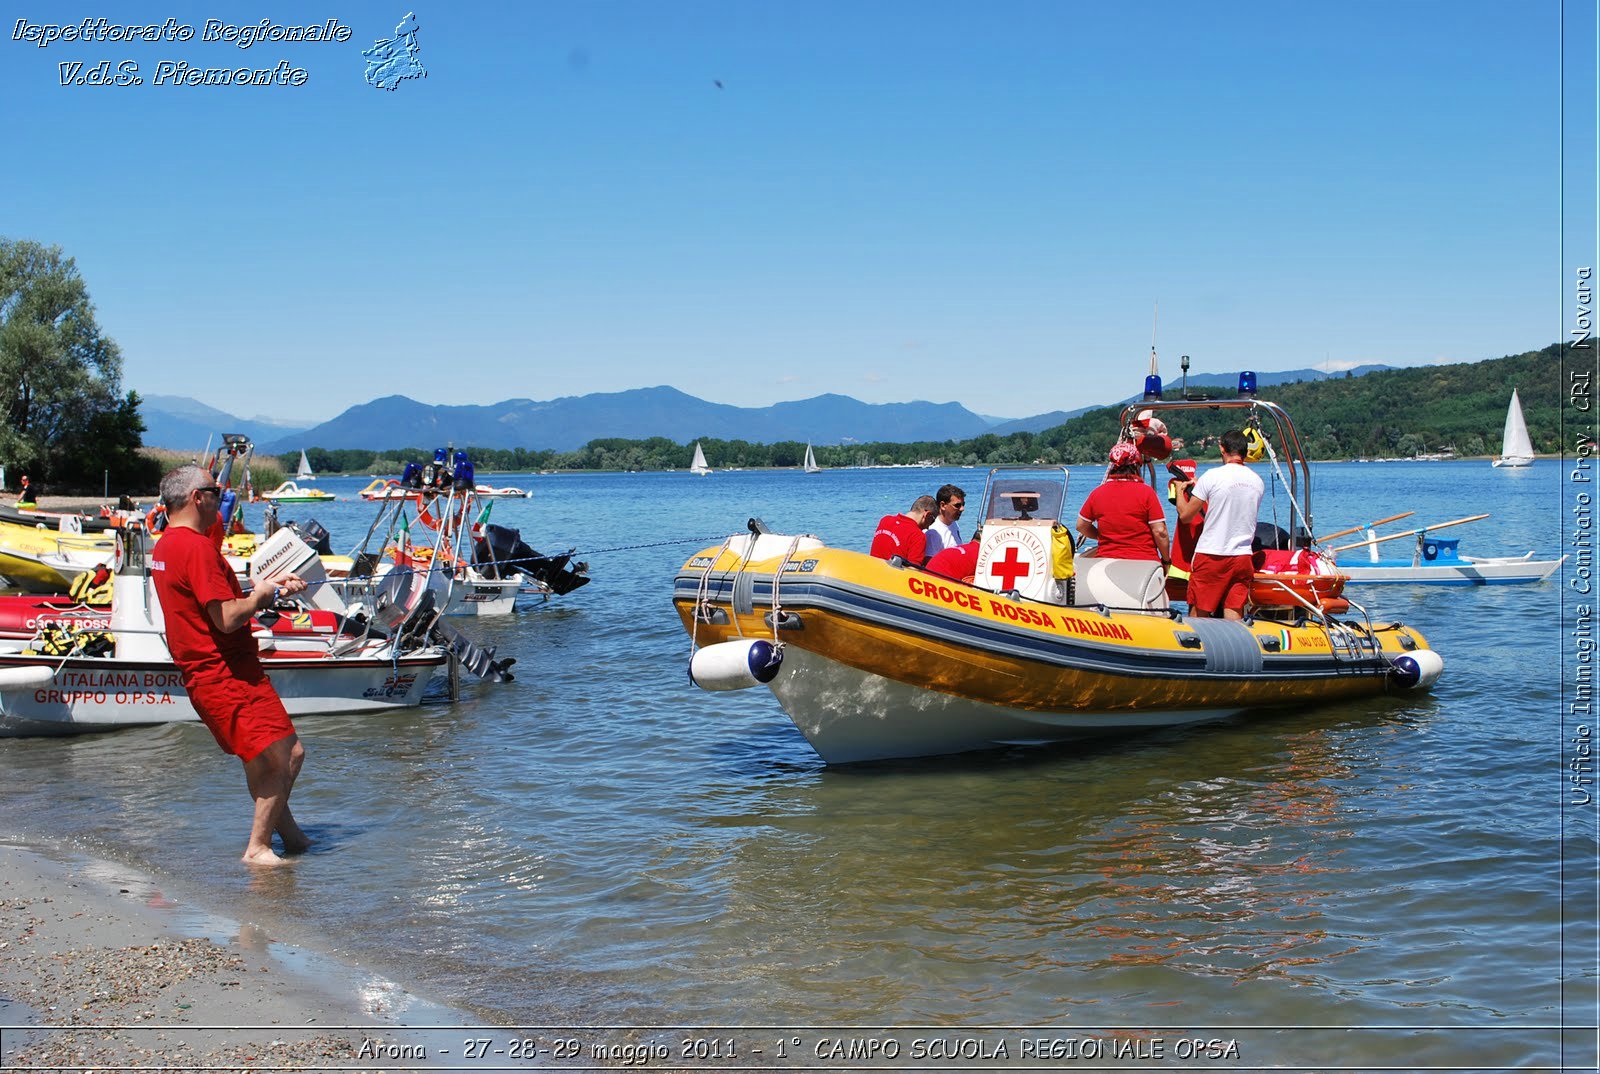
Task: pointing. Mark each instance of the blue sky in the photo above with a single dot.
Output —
(978, 202)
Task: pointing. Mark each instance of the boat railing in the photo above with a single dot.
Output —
(1299, 466)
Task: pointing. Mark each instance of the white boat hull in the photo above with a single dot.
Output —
(87, 694)
(849, 715)
(1486, 570)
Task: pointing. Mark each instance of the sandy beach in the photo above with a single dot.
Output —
(99, 970)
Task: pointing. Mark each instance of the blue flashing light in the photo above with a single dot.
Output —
(1247, 383)
(1152, 388)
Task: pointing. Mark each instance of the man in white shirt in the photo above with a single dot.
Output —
(1230, 495)
(946, 530)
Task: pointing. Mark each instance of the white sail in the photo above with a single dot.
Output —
(698, 466)
(811, 461)
(304, 473)
(1516, 448)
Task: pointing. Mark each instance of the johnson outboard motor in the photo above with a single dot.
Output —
(501, 552)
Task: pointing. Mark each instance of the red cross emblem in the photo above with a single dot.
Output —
(1010, 568)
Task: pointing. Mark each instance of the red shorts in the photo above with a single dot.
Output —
(244, 717)
(1217, 582)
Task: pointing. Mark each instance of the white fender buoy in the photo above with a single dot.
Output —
(1418, 670)
(735, 665)
(28, 678)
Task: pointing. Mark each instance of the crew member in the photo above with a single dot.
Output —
(208, 631)
(1124, 514)
(902, 535)
(1230, 495)
(945, 530)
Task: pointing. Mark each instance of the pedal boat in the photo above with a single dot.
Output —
(877, 659)
(289, 492)
(1438, 561)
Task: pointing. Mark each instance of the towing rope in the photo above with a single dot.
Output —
(652, 544)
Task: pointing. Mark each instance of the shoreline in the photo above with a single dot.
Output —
(100, 969)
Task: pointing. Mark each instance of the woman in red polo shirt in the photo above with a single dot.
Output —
(1124, 514)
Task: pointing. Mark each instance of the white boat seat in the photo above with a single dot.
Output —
(1121, 583)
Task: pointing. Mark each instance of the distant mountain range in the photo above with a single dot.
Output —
(568, 423)
(181, 423)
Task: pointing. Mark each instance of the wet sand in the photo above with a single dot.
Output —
(100, 971)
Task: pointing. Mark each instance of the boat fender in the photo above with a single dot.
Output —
(28, 678)
(735, 665)
(1417, 670)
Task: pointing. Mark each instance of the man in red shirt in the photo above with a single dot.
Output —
(901, 535)
(958, 561)
(208, 632)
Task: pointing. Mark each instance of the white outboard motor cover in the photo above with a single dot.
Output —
(285, 553)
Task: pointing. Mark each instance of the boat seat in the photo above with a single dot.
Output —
(1121, 583)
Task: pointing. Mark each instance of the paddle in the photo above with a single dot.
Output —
(1408, 533)
(1357, 529)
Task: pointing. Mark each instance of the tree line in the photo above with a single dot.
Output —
(1399, 413)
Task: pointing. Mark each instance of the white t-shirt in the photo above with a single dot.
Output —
(1232, 493)
(941, 536)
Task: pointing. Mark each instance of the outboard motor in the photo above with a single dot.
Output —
(1270, 535)
(313, 534)
(501, 551)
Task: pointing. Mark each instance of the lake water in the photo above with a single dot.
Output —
(599, 843)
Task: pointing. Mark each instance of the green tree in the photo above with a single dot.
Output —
(60, 376)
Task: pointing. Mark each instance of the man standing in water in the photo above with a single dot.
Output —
(208, 631)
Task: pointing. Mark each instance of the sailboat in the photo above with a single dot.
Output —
(811, 466)
(698, 466)
(304, 472)
(1516, 449)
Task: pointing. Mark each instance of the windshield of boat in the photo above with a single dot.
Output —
(1036, 493)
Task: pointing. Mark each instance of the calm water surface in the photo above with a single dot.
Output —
(599, 842)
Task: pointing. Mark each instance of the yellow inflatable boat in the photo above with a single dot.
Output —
(878, 659)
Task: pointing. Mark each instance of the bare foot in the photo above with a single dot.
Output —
(295, 841)
(261, 856)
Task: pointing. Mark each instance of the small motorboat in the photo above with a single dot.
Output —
(289, 492)
(78, 673)
(44, 559)
(876, 659)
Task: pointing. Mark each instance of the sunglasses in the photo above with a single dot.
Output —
(215, 490)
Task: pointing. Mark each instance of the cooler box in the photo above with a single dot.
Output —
(285, 553)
